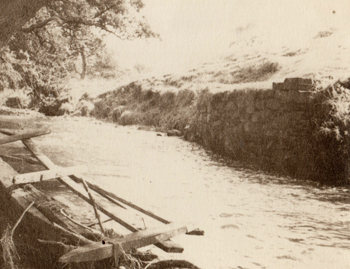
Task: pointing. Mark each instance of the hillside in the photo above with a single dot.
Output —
(325, 58)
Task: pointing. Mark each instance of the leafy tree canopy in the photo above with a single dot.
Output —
(45, 47)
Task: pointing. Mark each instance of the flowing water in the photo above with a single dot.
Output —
(251, 220)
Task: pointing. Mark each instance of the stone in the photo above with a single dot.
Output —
(237, 129)
(250, 108)
(304, 81)
(209, 108)
(278, 86)
(217, 123)
(246, 127)
(256, 117)
(201, 118)
(16, 102)
(129, 118)
(298, 84)
(231, 106)
(85, 107)
(282, 95)
(117, 112)
(273, 104)
(293, 96)
(65, 109)
(174, 132)
(269, 94)
(203, 110)
(259, 104)
(76, 113)
(303, 97)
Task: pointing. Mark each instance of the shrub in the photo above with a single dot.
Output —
(255, 73)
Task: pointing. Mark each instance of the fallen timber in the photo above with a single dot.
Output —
(50, 221)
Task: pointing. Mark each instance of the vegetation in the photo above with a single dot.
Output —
(134, 105)
(47, 48)
(253, 73)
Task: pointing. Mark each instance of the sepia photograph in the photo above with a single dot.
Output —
(195, 134)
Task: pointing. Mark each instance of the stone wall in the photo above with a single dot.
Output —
(283, 129)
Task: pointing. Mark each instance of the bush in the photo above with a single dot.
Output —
(133, 105)
(253, 73)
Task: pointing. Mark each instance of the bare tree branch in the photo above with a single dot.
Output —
(40, 24)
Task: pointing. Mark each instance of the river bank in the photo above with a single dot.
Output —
(295, 128)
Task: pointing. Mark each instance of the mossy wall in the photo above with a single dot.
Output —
(293, 128)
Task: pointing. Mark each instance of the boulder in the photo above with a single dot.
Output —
(17, 100)
(65, 109)
(14, 102)
(174, 132)
(76, 113)
(129, 118)
(117, 112)
(85, 107)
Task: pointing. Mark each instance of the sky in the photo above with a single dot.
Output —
(198, 31)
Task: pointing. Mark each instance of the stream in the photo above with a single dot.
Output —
(251, 219)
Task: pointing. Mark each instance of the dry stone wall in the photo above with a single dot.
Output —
(278, 129)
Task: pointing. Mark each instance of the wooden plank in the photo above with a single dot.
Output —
(35, 222)
(74, 187)
(99, 251)
(70, 184)
(45, 161)
(169, 246)
(51, 209)
(78, 178)
(56, 247)
(165, 245)
(47, 174)
(42, 158)
(106, 194)
(22, 136)
(50, 165)
(7, 131)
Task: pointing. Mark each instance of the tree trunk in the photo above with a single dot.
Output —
(14, 14)
(83, 66)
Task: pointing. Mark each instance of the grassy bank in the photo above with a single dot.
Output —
(131, 104)
(298, 132)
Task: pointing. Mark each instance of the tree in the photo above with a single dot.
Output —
(79, 20)
(110, 15)
(48, 35)
(14, 14)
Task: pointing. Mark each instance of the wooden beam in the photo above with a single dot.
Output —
(74, 187)
(41, 157)
(45, 161)
(22, 136)
(35, 222)
(99, 251)
(58, 248)
(51, 209)
(169, 246)
(106, 194)
(68, 182)
(47, 174)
